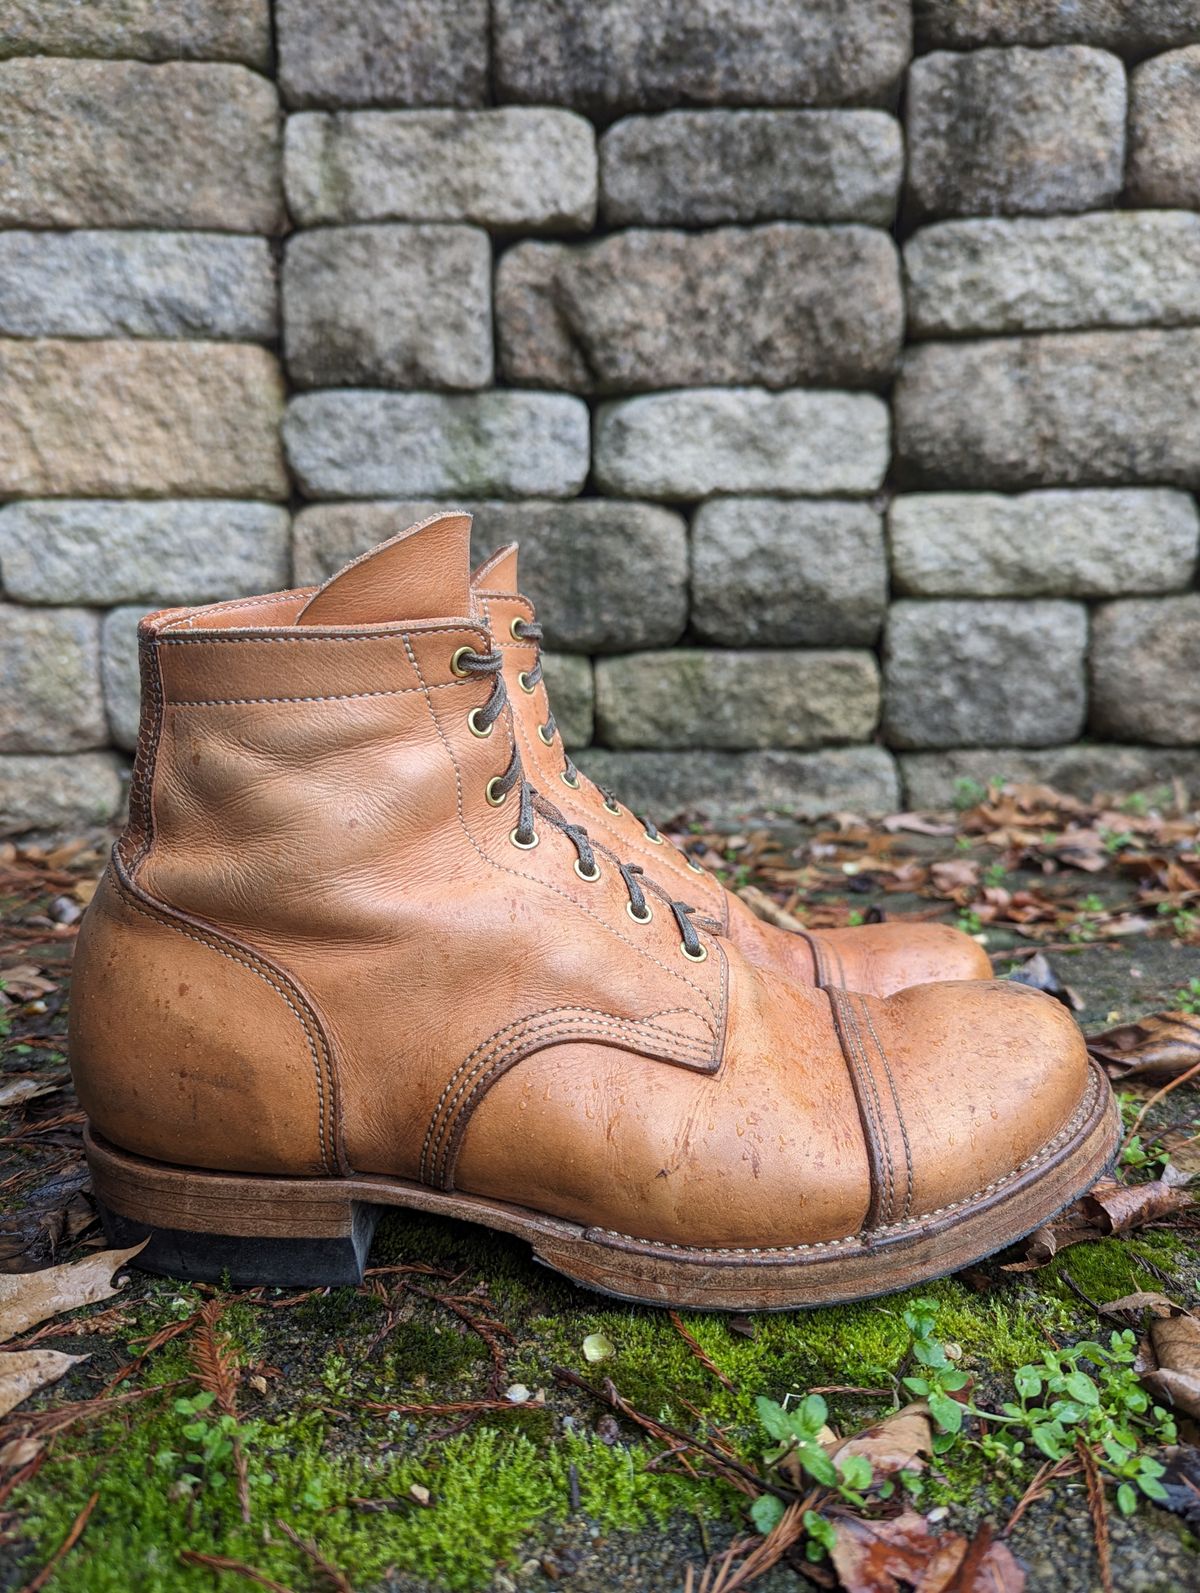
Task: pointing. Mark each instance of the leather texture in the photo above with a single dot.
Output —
(318, 949)
(877, 958)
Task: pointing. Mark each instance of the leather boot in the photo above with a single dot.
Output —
(346, 958)
(878, 959)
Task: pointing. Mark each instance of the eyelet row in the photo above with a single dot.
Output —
(523, 682)
(694, 956)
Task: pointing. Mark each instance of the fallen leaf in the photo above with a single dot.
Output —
(1149, 1300)
(23, 1372)
(26, 983)
(27, 1298)
(882, 1556)
(16, 1091)
(1039, 974)
(957, 878)
(598, 1347)
(1161, 1046)
(1109, 1208)
(1182, 1482)
(894, 1444)
(19, 1452)
(1176, 1344)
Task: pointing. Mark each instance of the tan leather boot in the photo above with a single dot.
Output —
(878, 959)
(344, 958)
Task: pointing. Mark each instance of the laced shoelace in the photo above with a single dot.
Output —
(524, 836)
(531, 631)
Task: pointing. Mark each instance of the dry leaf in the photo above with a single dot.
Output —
(23, 1372)
(1156, 1304)
(27, 1298)
(894, 1444)
(883, 1556)
(1039, 974)
(1176, 1344)
(1161, 1046)
(1110, 1208)
(16, 1091)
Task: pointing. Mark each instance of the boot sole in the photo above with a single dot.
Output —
(310, 1232)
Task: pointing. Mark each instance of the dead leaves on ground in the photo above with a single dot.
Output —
(885, 1556)
(29, 1298)
(1107, 1209)
(1175, 1373)
(1163, 1046)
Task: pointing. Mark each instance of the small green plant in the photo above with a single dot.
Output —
(969, 922)
(1143, 1157)
(1188, 999)
(856, 918)
(797, 1431)
(939, 1379)
(1137, 803)
(994, 875)
(1114, 841)
(968, 793)
(336, 1376)
(1184, 920)
(208, 1461)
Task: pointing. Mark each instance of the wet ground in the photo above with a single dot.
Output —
(549, 1487)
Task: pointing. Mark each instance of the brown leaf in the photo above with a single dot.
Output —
(894, 1444)
(1176, 1344)
(1161, 1046)
(957, 877)
(27, 1298)
(1156, 1304)
(23, 1372)
(15, 1092)
(883, 1556)
(1110, 1208)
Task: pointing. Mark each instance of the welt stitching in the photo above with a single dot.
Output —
(855, 1241)
(887, 1067)
(878, 1147)
(538, 1021)
(493, 1067)
(344, 696)
(274, 984)
(564, 1027)
(249, 638)
(533, 878)
(889, 1208)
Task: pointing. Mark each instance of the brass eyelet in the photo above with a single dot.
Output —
(655, 840)
(546, 741)
(476, 730)
(460, 652)
(567, 780)
(523, 682)
(590, 878)
(611, 807)
(524, 846)
(513, 631)
(694, 956)
(495, 797)
(696, 868)
(640, 918)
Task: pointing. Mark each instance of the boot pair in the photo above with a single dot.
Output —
(357, 948)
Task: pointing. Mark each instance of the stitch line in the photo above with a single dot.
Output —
(223, 951)
(345, 696)
(248, 638)
(543, 1034)
(856, 1241)
(887, 1067)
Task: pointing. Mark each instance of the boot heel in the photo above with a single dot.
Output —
(224, 1227)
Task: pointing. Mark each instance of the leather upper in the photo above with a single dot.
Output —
(876, 958)
(315, 889)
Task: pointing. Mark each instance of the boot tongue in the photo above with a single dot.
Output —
(499, 573)
(424, 573)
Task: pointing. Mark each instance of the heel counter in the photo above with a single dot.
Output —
(189, 1048)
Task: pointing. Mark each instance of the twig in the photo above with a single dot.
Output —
(308, 1547)
(1098, 1510)
(724, 1575)
(706, 1360)
(1086, 1298)
(739, 1475)
(1172, 1084)
(1046, 1473)
(64, 1548)
(219, 1562)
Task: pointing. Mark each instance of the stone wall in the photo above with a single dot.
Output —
(836, 364)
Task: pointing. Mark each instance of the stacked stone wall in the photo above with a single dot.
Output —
(837, 366)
